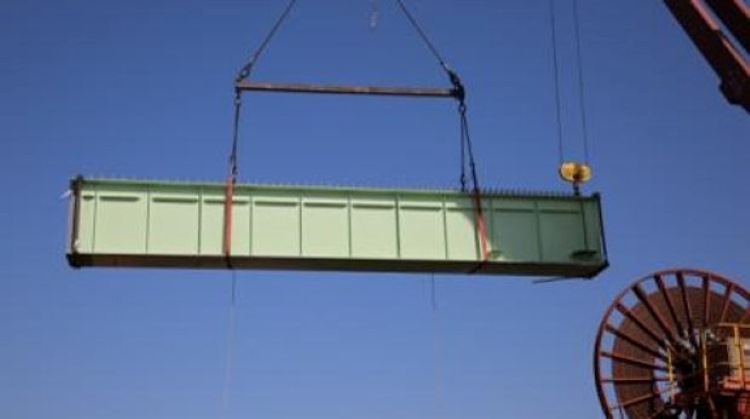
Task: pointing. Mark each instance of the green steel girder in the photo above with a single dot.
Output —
(181, 225)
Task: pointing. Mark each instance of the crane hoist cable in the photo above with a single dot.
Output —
(573, 172)
(556, 71)
(581, 84)
(457, 92)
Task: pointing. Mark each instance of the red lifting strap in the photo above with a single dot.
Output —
(481, 228)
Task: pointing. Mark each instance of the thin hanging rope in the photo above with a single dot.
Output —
(556, 69)
(437, 352)
(581, 96)
(433, 299)
(231, 332)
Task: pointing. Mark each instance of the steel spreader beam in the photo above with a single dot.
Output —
(182, 225)
(246, 86)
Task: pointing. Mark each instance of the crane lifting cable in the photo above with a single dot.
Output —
(574, 172)
(456, 91)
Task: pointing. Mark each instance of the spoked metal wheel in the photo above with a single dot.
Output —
(664, 346)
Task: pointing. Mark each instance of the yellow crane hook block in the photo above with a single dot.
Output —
(122, 223)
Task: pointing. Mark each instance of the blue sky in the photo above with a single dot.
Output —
(144, 90)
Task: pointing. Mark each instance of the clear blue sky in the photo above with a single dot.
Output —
(143, 89)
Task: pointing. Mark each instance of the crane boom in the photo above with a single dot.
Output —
(736, 17)
(718, 49)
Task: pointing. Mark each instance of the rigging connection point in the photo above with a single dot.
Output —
(576, 174)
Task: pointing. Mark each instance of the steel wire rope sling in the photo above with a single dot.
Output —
(457, 92)
(233, 166)
(466, 146)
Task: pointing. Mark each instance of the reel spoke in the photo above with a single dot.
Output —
(667, 348)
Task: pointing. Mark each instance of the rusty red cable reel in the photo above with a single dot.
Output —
(674, 345)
